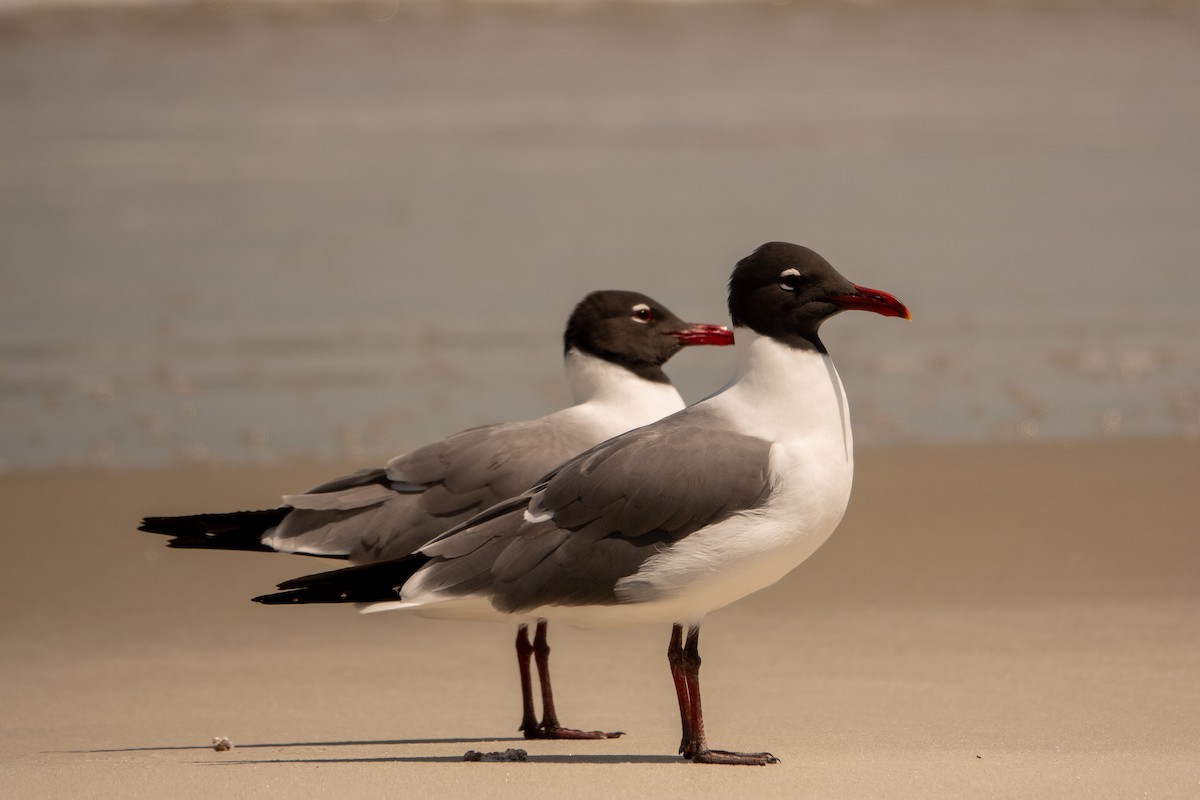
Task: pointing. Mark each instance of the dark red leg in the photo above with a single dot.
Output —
(550, 727)
(679, 676)
(694, 744)
(529, 723)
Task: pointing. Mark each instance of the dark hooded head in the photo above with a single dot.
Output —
(635, 331)
(786, 291)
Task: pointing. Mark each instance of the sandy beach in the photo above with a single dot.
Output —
(309, 236)
(989, 621)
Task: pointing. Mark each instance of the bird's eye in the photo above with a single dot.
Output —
(642, 313)
(789, 280)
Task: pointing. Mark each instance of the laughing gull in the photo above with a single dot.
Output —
(670, 521)
(615, 345)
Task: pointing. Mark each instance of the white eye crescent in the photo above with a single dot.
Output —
(788, 279)
(642, 313)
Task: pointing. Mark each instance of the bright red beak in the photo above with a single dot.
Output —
(871, 300)
(705, 334)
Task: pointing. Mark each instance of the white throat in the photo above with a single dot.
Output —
(782, 393)
(599, 384)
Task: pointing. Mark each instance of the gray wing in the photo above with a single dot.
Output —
(597, 518)
(376, 515)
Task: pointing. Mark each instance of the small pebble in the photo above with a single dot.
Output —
(510, 754)
(222, 743)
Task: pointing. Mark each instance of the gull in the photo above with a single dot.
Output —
(670, 521)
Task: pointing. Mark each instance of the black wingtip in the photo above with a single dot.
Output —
(219, 543)
(236, 530)
(281, 598)
(328, 594)
(168, 526)
(369, 583)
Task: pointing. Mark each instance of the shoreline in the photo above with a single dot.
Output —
(326, 466)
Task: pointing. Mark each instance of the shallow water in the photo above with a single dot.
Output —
(239, 234)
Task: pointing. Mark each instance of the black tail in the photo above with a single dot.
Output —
(237, 530)
(368, 583)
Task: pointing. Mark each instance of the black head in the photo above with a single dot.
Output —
(635, 331)
(786, 291)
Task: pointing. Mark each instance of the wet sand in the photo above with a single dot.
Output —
(989, 621)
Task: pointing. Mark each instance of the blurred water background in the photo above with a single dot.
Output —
(261, 231)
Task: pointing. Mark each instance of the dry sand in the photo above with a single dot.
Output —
(988, 622)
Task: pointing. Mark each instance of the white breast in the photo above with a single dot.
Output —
(794, 398)
(611, 400)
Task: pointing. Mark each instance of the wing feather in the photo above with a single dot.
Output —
(605, 512)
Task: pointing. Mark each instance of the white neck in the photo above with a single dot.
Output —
(596, 382)
(782, 393)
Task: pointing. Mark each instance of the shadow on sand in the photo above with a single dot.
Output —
(612, 758)
(378, 742)
(573, 758)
